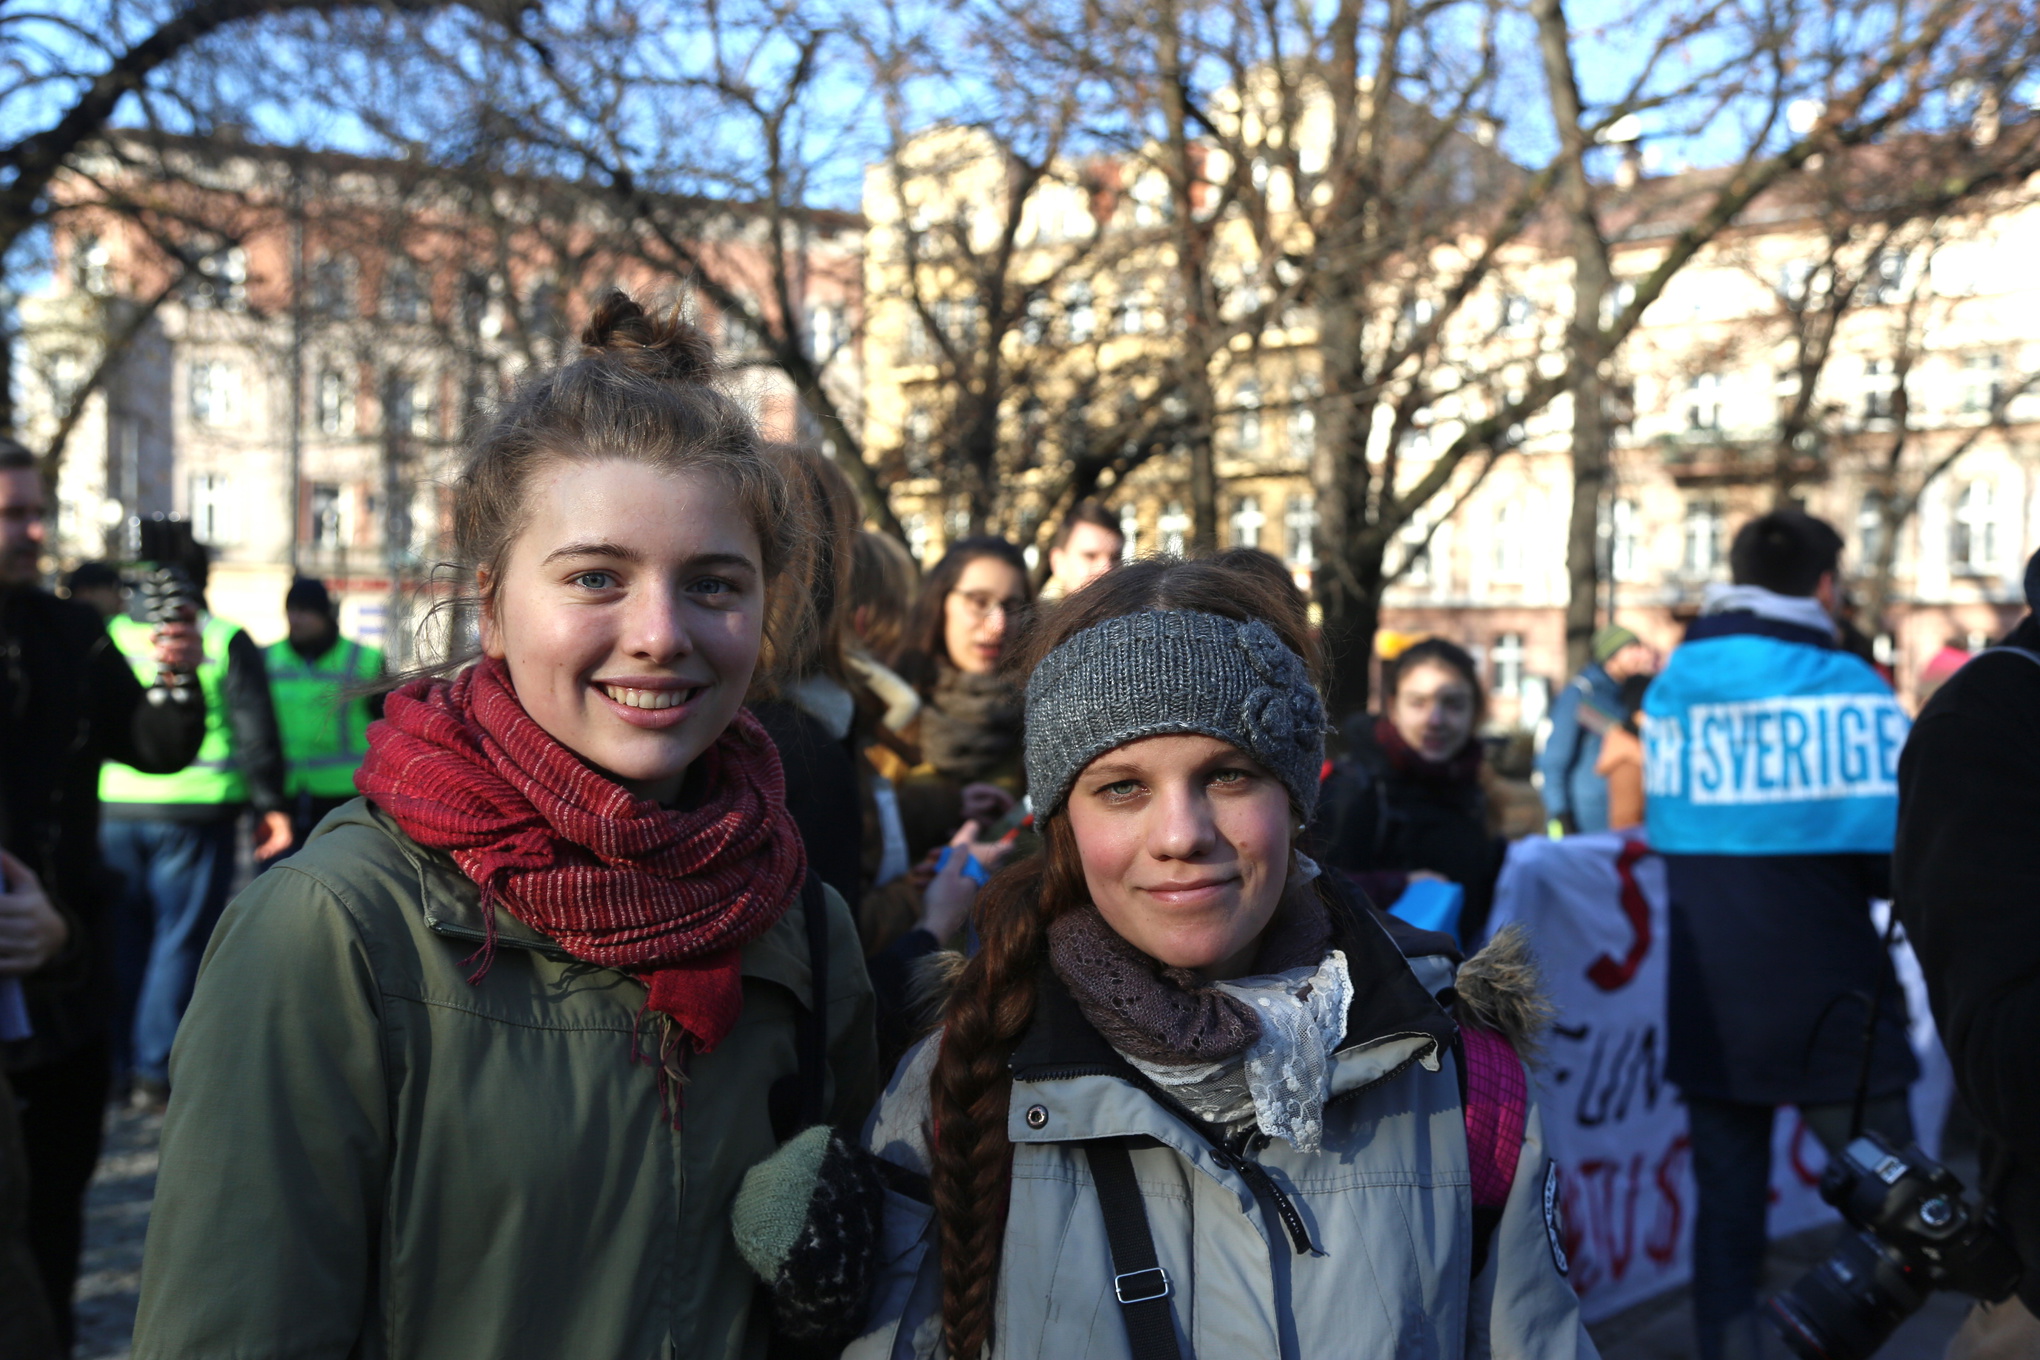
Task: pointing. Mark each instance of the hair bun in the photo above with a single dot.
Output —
(662, 347)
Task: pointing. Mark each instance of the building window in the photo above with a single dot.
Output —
(1082, 313)
(1303, 419)
(478, 316)
(738, 336)
(1417, 547)
(1518, 315)
(1625, 540)
(1133, 314)
(1870, 527)
(1174, 526)
(1700, 538)
(1973, 538)
(328, 515)
(1884, 280)
(1982, 383)
(916, 530)
(215, 392)
(828, 331)
(1248, 398)
(91, 266)
(1129, 532)
(1510, 554)
(335, 294)
(1703, 402)
(1247, 522)
(212, 509)
(335, 402)
(1878, 385)
(918, 444)
(1507, 657)
(405, 296)
(1299, 525)
(411, 408)
(219, 281)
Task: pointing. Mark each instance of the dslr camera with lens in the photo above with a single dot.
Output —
(1918, 1234)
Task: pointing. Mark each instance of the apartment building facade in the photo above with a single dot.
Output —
(300, 344)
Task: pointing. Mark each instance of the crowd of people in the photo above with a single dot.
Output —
(758, 946)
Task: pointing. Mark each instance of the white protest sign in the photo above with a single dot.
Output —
(1597, 913)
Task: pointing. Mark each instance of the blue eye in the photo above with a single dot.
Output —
(595, 580)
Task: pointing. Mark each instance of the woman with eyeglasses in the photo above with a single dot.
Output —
(967, 737)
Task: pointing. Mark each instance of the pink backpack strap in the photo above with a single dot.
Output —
(1497, 1108)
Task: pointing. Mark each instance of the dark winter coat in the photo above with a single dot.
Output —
(1377, 823)
(68, 701)
(1967, 861)
(1774, 962)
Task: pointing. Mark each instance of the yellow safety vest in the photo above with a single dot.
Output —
(215, 775)
(325, 734)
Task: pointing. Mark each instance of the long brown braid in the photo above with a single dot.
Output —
(992, 1003)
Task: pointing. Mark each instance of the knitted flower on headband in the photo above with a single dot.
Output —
(1172, 671)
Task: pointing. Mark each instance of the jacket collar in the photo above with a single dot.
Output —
(1739, 624)
(1389, 1004)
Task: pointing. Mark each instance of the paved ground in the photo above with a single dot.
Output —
(118, 1214)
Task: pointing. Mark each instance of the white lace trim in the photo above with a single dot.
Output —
(1284, 1078)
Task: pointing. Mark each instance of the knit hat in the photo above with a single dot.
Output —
(1172, 671)
(1609, 641)
(308, 594)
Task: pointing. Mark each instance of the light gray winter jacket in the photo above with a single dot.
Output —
(1388, 1272)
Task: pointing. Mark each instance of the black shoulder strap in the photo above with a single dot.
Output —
(1138, 1280)
(814, 1039)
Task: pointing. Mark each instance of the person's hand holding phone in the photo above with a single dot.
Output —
(966, 864)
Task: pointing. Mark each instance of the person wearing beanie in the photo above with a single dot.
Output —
(1963, 874)
(1189, 1096)
(318, 682)
(1575, 794)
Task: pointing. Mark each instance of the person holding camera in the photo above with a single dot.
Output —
(1770, 767)
(68, 700)
(1964, 869)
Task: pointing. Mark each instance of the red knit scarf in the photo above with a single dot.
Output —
(614, 879)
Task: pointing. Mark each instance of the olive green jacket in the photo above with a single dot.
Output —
(369, 1157)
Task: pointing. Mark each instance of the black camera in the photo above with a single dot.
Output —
(167, 584)
(1918, 1234)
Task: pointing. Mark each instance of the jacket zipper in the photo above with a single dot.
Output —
(1257, 1177)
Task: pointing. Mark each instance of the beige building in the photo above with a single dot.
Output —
(1949, 310)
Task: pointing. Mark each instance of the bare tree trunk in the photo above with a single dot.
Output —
(1192, 264)
(1586, 355)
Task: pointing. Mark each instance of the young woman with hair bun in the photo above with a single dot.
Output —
(478, 1071)
(1191, 1097)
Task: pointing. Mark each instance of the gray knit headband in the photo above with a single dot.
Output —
(1171, 671)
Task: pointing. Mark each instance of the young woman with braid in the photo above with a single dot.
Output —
(1191, 1097)
(479, 1070)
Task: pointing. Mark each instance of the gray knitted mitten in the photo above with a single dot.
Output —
(806, 1219)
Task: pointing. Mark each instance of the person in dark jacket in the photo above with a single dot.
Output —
(1575, 793)
(1407, 800)
(813, 721)
(172, 838)
(1771, 767)
(1964, 869)
(68, 700)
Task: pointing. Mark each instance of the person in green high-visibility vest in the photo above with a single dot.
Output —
(314, 678)
(171, 838)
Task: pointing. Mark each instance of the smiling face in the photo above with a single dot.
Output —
(630, 610)
(1185, 843)
(979, 613)
(1432, 710)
